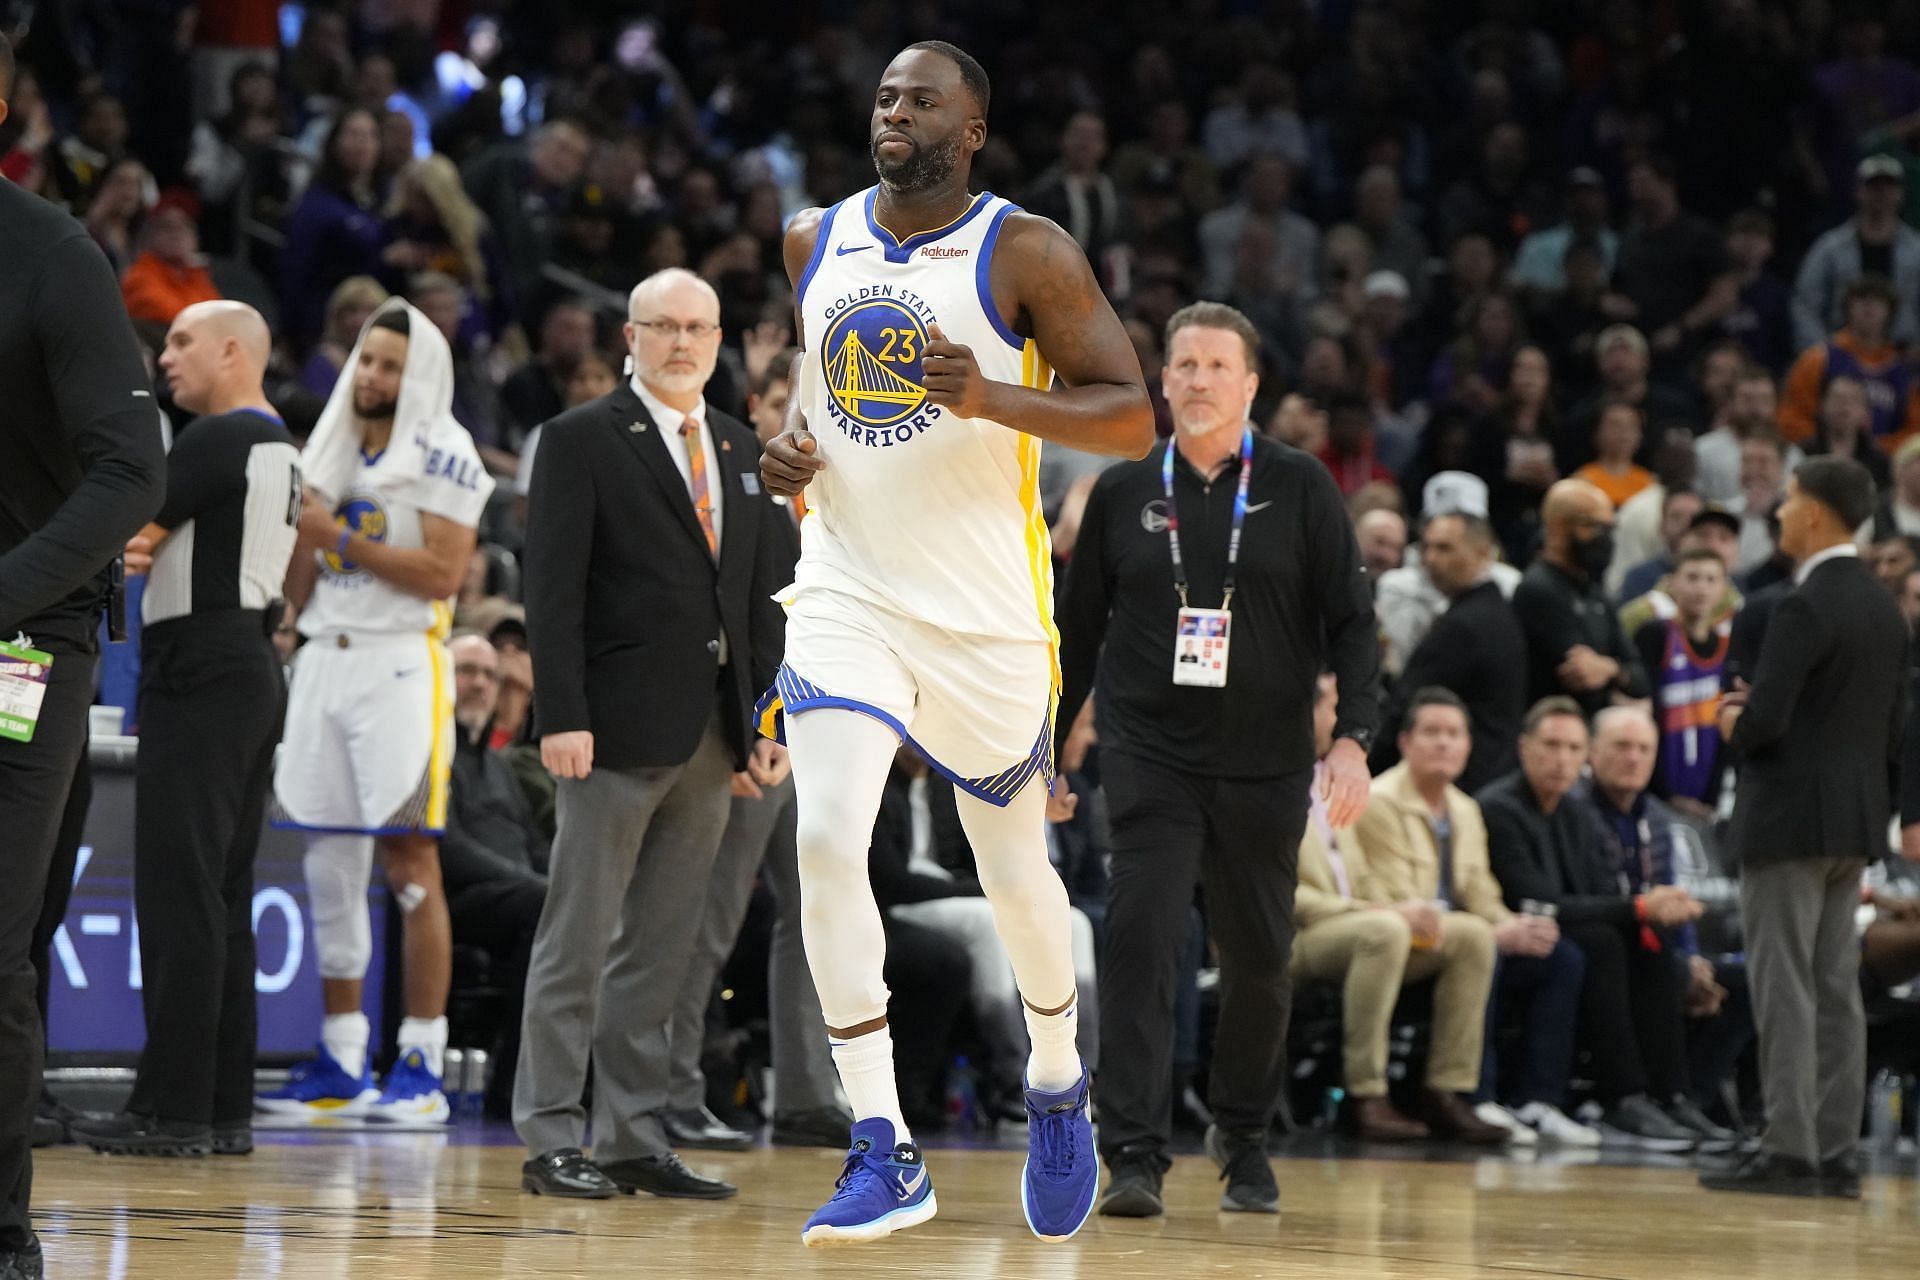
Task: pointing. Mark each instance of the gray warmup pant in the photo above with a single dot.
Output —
(1803, 966)
(628, 885)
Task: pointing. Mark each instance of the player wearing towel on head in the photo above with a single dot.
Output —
(395, 490)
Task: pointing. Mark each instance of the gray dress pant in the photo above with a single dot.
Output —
(627, 887)
(759, 839)
(1803, 967)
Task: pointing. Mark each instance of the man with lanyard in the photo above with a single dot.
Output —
(1207, 763)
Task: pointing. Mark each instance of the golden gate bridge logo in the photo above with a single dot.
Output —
(872, 363)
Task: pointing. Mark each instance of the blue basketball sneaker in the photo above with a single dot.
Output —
(882, 1189)
(412, 1094)
(1062, 1174)
(320, 1088)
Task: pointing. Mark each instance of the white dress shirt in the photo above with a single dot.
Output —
(669, 421)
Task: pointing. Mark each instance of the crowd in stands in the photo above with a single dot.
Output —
(1665, 249)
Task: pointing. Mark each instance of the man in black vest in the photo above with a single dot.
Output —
(1819, 733)
(651, 566)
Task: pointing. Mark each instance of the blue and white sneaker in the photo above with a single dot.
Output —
(320, 1088)
(1062, 1175)
(883, 1188)
(412, 1094)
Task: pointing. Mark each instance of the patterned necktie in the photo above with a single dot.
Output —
(697, 484)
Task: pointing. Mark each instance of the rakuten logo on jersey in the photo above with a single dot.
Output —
(943, 251)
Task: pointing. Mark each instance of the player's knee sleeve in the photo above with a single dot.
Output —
(337, 867)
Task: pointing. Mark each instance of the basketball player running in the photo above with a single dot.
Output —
(934, 321)
(395, 491)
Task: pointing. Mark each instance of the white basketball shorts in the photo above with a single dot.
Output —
(368, 747)
(978, 708)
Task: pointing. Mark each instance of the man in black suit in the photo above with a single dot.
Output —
(1819, 734)
(1475, 649)
(651, 564)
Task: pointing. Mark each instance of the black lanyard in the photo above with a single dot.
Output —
(1239, 519)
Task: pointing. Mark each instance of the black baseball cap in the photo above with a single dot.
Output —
(1716, 515)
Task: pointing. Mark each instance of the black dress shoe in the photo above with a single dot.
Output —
(702, 1130)
(665, 1175)
(1765, 1173)
(566, 1172)
(127, 1134)
(26, 1264)
(48, 1132)
(819, 1127)
(1840, 1178)
(233, 1139)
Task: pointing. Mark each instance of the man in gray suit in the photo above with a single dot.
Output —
(1819, 735)
(651, 567)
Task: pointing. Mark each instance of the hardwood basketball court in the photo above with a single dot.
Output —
(427, 1207)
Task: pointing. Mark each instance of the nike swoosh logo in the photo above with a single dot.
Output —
(909, 1187)
(842, 250)
(1259, 506)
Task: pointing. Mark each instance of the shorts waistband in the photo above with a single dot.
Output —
(337, 639)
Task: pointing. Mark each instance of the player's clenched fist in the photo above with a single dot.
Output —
(789, 462)
(952, 376)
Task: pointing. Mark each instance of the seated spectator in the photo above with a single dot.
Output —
(593, 377)
(1685, 655)
(1545, 847)
(1873, 240)
(1624, 363)
(169, 275)
(432, 226)
(923, 875)
(1711, 530)
(513, 710)
(232, 155)
(1639, 833)
(537, 390)
(1893, 559)
(1672, 266)
(1750, 409)
(81, 161)
(1077, 193)
(1256, 118)
(1539, 263)
(493, 856)
(125, 192)
(1616, 439)
(1515, 453)
(1762, 318)
(28, 136)
(351, 302)
(1293, 244)
(1373, 941)
(1890, 946)
(1568, 322)
(1763, 483)
(1900, 513)
(1473, 371)
(1475, 650)
(1863, 349)
(1575, 646)
(334, 232)
(1678, 508)
(476, 405)
(523, 188)
(1382, 536)
(1424, 840)
(1398, 247)
(1349, 453)
(1844, 429)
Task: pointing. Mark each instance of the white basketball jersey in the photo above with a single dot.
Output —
(918, 510)
(442, 476)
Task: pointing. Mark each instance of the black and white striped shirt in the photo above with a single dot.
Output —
(232, 511)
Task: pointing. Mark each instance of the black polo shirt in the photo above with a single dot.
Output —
(1301, 602)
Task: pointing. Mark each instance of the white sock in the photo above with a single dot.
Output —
(345, 1035)
(1054, 1064)
(429, 1036)
(866, 1070)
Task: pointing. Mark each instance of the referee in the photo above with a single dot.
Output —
(81, 469)
(1221, 576)
(211, 699)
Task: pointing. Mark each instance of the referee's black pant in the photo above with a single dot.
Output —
(1239, 839)
(35, 778)
(211, 702)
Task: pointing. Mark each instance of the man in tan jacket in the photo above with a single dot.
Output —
(1372, 943)
(1426, 841)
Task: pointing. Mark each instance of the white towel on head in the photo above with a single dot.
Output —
(332, 456)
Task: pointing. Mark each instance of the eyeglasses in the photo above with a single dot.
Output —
(697, 330)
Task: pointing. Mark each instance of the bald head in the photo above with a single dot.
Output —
(672, 285)
(673, 333)
(1625, 743)
(1579, 529)
(216, 357)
